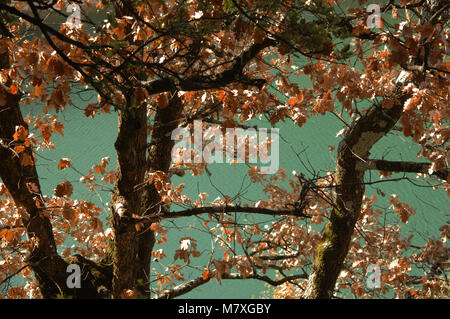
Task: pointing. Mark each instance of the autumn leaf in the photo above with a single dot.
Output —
(20, 134)
(158, 185)
(14, 88)
(58, 127)
(387, 103)
(68, 212)
(64, 189)
(55, 66)
(205, 274)
(258, 35)
(17, 293)
(19, 148)
(64, 163)
(26, 159)
(90, 109)
(46, 132)
(32, 188)
(139, 226)
(3, 232)
(8, 235)
(293, 101)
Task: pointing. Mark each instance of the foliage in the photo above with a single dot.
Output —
(227, 63)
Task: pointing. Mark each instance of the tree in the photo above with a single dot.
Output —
(163, 65)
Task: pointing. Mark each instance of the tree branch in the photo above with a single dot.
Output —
(219, 209)
(407, 167)
(196, 83)
(194, 283)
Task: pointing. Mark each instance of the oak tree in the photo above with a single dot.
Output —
(162, 65)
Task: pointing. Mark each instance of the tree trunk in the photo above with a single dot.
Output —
(126, 200)
(159, 159)
(353, 150)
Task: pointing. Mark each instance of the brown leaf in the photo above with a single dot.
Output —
(68, 213)
(64, 189)
(26, 159)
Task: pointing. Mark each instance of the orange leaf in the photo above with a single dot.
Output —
(64, 163)
(292, 101)
(205, 274)
(58, 127)
(19, 148)
(68, 213)
(9, 236)
(258, 36)
(412, 102)
(3, 232)
(387, 103)
(20, 134)
(46, 132)
(158, 185)
(14, 89)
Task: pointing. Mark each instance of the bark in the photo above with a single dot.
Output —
(126, 199)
